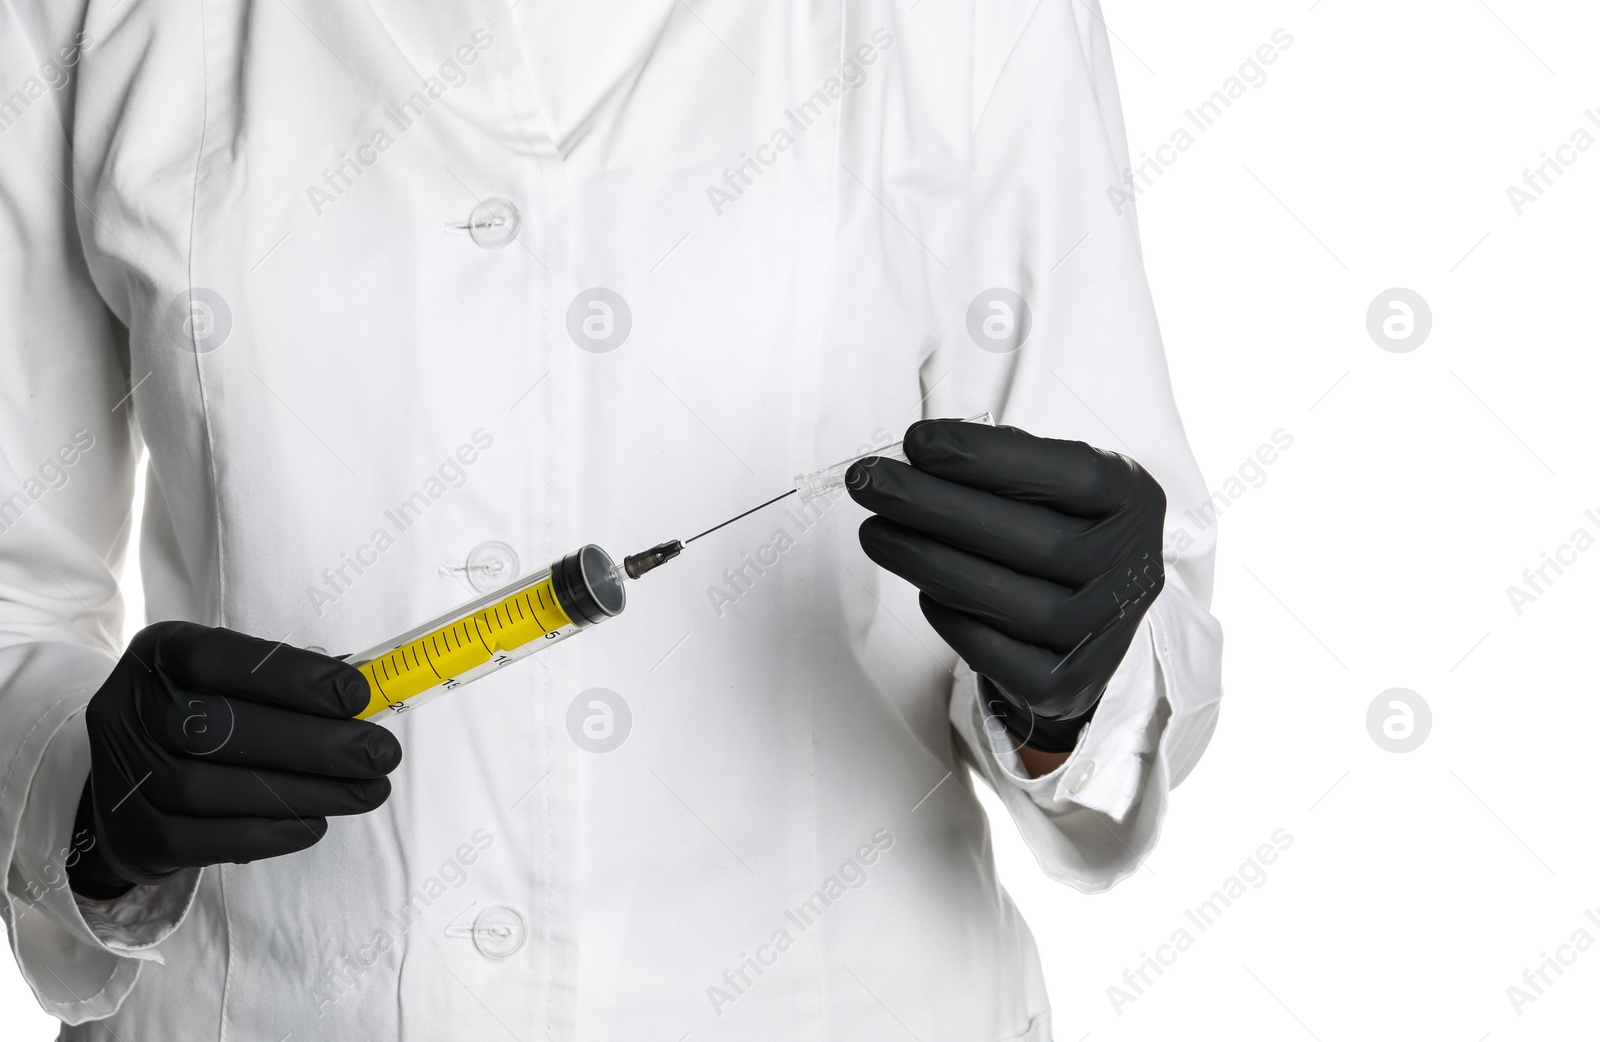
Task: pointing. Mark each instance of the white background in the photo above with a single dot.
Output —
(1378, 549)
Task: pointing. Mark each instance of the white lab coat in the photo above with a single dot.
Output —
(797, 204)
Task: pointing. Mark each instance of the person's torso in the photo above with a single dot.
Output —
(413, 285)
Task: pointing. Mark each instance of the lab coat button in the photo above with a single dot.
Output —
(493, 223)
(499, 932)
(491, 565)
(1082, 779)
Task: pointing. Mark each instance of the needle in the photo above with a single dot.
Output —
(635, 565)
(731, 520)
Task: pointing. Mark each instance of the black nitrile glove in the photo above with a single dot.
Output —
(207, 745)
(1036, 559)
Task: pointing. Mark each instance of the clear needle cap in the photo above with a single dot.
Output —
(814, 484)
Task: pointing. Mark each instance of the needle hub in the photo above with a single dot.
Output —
(649, 560)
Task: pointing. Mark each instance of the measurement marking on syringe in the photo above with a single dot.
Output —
(381, 691)
(468, 645)
(430, 662)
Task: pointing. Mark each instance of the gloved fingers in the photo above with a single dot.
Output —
(1052, 684)
(1134, 583)
(203, 658)
(239, 732)
(144, 844)
(1034, 610)
(1070, 476)
(1029, 538)
(1004, 712)
(201, 789)
(192, 842)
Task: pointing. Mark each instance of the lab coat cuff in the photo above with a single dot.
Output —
(129, 925)
(1105, 770)
(1073, 844)
(1188, 651)
(1159, 713)
(81, 957)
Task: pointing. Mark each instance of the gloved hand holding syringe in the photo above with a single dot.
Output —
(211, 746)
(1036, 559)
(582, 589)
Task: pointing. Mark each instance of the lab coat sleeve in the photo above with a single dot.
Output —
(66, 486)
(1050, 222)
(1091, 821)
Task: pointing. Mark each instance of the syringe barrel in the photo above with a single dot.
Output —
(814, 484)
(475, 639)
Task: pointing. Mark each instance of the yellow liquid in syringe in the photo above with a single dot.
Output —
(580, 590)
(441, 657)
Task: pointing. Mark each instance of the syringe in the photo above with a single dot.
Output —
(818, 482)
(807, 486)
(582, 589)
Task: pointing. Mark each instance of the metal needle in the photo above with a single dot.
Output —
(635, 565)
(731, 520)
